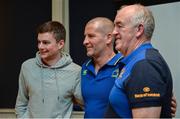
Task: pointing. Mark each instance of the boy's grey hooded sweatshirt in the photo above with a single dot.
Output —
(47, 92)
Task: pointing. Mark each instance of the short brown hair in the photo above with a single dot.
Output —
(54, 27)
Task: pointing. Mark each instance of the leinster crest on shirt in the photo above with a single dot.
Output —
(121, 73)
(115, 73)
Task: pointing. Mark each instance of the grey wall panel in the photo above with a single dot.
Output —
(167, 39)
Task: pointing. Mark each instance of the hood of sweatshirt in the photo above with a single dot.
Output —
(64, 61)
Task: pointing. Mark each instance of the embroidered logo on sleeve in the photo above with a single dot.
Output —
(146, 93)
(146, 89)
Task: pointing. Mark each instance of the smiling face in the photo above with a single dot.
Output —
(95, 40)
(134, 25)
(124, 31)
(49, 48)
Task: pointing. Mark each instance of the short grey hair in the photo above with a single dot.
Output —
(143, 16)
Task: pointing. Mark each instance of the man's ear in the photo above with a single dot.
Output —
(109, 40)
(61, 44)
(140, 30)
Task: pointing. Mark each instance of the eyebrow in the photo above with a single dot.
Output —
(118, 22)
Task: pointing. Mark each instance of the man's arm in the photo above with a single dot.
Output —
(173, 106)
(146, 112)
(147, 89)
(22, 98)
(154, 112)
(77, 91)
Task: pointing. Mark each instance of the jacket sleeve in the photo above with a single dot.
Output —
(22, 97)
(77, 89)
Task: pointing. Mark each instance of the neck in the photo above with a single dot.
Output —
(102, 60)
(135, 46)
(51, 61)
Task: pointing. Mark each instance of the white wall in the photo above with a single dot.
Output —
(167, 39)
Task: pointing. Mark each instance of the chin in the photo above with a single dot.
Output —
(43, 57)
(89, 54)
(117, 48)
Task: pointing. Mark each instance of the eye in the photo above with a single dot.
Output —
(120, 26)
(46, 42)
(91, 35)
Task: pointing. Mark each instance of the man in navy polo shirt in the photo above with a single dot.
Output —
(144, 86)
(99, 72)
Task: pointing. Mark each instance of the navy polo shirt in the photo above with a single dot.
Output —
(96, 87)
(145, 81)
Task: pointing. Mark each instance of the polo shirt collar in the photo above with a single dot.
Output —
(144, 46)
(113, 61)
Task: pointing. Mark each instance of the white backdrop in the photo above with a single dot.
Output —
(167, 39)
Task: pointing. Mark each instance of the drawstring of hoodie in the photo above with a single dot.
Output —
(42, 84)
(55, 68)
(57, 87)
